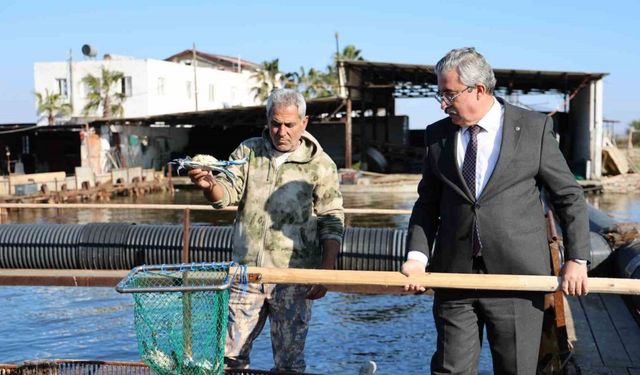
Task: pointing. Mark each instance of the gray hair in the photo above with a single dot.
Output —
(285, 98)
(470, 65)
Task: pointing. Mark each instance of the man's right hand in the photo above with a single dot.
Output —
(413, 267)
(201, 178)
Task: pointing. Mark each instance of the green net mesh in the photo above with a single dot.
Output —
(181, 316)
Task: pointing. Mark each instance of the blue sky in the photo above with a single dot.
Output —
(584, 36)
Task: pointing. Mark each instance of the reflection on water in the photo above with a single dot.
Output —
(621, 207)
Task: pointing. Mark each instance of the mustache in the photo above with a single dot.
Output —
(450, 111)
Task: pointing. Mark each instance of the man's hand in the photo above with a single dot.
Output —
(574, 279)
(205, 181)
(410, 268)
(316, 292)
(330, 251)
(202, 179)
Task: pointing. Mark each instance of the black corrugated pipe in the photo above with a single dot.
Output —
(601, 259)
(372, 249)
(39, 245)
(124, 246)
(627, 262)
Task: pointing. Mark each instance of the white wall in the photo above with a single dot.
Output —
(229, 88)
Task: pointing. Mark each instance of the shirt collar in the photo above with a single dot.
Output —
(490, 122)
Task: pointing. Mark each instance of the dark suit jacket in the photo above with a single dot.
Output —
(509, 212)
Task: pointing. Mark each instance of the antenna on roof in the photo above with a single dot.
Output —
(89, 51)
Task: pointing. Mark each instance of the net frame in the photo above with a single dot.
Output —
(181, 313)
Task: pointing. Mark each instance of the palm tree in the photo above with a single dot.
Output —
(267, 78)
(52, 105)
(350, 53)
(102, 94)
(316, 84)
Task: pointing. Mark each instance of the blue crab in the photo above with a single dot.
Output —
(209, 163)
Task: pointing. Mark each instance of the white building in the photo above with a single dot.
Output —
(154, 87)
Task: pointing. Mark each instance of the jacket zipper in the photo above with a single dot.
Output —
(274, 178)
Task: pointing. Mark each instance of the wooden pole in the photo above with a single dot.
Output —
(187, 329)
(358, 281)
(391, 280)
(347, 136)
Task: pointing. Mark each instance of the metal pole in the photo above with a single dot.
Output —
(337, 50)
(194, 62)
(8, 154)
(71, 79)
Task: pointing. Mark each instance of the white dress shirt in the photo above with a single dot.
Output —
(489, 140)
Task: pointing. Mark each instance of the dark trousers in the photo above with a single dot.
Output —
(514, 326)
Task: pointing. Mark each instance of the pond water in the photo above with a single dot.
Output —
(397, 332)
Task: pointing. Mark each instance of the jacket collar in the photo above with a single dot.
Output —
(307, 151)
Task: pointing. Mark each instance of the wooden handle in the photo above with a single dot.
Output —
(393, 280)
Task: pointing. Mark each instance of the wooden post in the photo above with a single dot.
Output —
(347, 136)
(185, 236)
(169, 176)
(187, 329)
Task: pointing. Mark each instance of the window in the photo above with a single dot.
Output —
(125, 86)
(212, 93)
(160, 86)
(62, 87)
(188, 87)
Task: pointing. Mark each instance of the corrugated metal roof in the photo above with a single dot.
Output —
(227, 116)
(414, 80)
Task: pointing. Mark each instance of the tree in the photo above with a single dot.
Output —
(268, 77)
(349, 53)
(312, 83)
(102, 93)
(316, 84)
(52, 105)
(634, 125)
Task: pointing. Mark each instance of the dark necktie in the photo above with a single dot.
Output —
(469, 174)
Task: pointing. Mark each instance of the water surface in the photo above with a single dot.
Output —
(346, 330)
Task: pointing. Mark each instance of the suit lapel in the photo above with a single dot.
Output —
(449, 164)
(511, 130)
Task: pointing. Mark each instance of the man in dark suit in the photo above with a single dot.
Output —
(479, 211)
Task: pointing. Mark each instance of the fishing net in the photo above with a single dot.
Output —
(180, 315)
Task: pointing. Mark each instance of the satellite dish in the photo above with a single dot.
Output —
(89, 51)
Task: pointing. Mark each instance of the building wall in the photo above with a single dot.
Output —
(157, 87)
(228, 89)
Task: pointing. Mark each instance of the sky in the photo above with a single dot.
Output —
(583, 36)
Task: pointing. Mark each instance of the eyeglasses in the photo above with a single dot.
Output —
(448, 98)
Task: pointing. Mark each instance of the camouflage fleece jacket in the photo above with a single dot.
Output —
(283, 213)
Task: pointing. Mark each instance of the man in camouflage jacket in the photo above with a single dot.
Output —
(290, 215)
